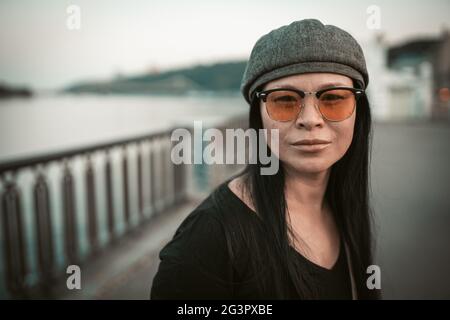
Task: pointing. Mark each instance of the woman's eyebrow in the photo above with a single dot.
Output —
(322, 86)
(331, 84)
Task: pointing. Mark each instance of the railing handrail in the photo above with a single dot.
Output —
(27, 161)
(31, 160)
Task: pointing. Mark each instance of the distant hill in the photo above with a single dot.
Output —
(7, 91)
(219, 77)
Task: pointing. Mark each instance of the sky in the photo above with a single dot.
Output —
(38, 50)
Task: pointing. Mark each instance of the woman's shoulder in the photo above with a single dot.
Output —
(209, 211)
(238, 187)
(208, 252)
(214, 223)
(205, 223)
(226, 202)
(197, 261)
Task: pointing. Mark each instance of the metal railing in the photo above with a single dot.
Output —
(160, 195)
(131, 187)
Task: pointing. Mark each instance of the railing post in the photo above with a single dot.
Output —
(153, 193)
(163, 175)
(126, 201)
(109, 197)
(70, 223)
(16, 267)
(178, 180)
(140, 183)
(44, 232)
(91, 206)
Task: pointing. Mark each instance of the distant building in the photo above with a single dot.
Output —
(410, 80)
(441, 64)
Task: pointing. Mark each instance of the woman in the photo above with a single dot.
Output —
(304, 232)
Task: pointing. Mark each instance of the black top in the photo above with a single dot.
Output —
(197, 263)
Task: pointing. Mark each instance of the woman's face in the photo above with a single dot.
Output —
(310, 124)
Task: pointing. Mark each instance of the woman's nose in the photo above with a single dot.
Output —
(309, 115)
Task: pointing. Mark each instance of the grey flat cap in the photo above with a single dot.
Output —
(302, 47)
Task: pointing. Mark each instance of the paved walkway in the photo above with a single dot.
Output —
(411, 199)
(126, 270)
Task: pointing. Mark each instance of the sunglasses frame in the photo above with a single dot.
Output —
(264, 94)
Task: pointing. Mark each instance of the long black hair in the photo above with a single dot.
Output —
(348, 196)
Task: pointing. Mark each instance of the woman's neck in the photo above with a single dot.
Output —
(306, 192)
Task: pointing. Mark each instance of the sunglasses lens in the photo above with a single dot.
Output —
(337, 105)
(283, 105)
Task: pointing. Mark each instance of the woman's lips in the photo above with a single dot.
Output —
(311, 147)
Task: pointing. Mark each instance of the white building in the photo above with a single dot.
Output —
(397, 94)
